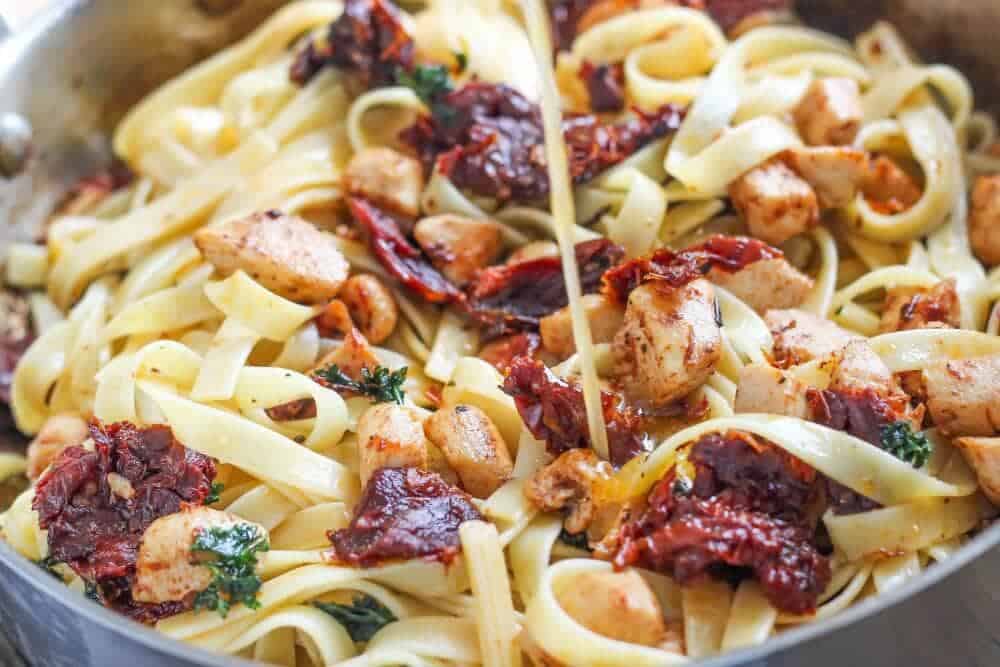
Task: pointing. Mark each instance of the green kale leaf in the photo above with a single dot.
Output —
(231, 554)
(362, 619)
(380, 385)
(901, 441)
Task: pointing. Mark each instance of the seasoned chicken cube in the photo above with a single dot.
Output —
(390, 436)
(908, 308)
(670, 342)
(963, 396)
(165, 570)
(388, 178)
(283, 253)
(617, 605)
(769, 390)
(473, 447)
(57, 433)
(371, 305)
(604, 316)
(856, 367)
(835, 173)
(984, 220)
(568, 484)
(830, 114)
(800, 337)
(458, 246)
(765, 285)
(888, 188)
(983, 456)
(351, 356)
(774, 202)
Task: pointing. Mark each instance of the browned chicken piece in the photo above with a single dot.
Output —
(351, 356)
(335, 319)
(984, 220)
(768, 390)
(604, 316)
(800, 337)
(390, 436)
(765, 285)
(857, 367)
(830, 114)
(57, 433)
(963, 396)
(283, 253)
(459, 247)
(775, 202)
(983, 456)
(568, 484)
(533, 250)
(371, 306)
(390, 179)
(165, 571)
(670, 342)
(908, 308)
(617, 605)
(473, 447)
(888, 188)
(835, 173)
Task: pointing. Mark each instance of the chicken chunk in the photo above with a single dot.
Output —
(835, 173)
(768, 390)
(963, 396)
(604, 316)
(533, 250)
(473, 447)
(888, 188)
(670, 341)
(351, 356)
(283, 253)
(984, 221)
(57, 433)
(165, 570)
(617, 605)
(765, 285)
(775, 203)
(908, 308)
(983, 456)
(568, 484)
(390, 436)
(856, 367)
(800, 337)
(371, 305)
(388, 178)
(458, 246)
(830, 114)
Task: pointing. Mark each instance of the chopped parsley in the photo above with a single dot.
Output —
(431, 83)
(362, 619)
(380, 385)
(231, 554)
(462, 59)
(901, 441)
(49, 565)
(213, 496)
(575, 540)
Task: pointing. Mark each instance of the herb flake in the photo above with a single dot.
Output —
(380, 385)
(231, 554)
(900, 440)
(48, 564)
(215, 493)
(575, 540)
(362, 619)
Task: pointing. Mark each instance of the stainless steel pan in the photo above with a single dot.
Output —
(72, 73)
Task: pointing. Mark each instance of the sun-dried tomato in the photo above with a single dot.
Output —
(404, 513)
(726, 253)
(747, 511)
(553, 410)
(491, 141)
(509, 298)
(501, 352)
(402, 259)
(368, 39)
(730, 13)
(97, 532)
(605, 86)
